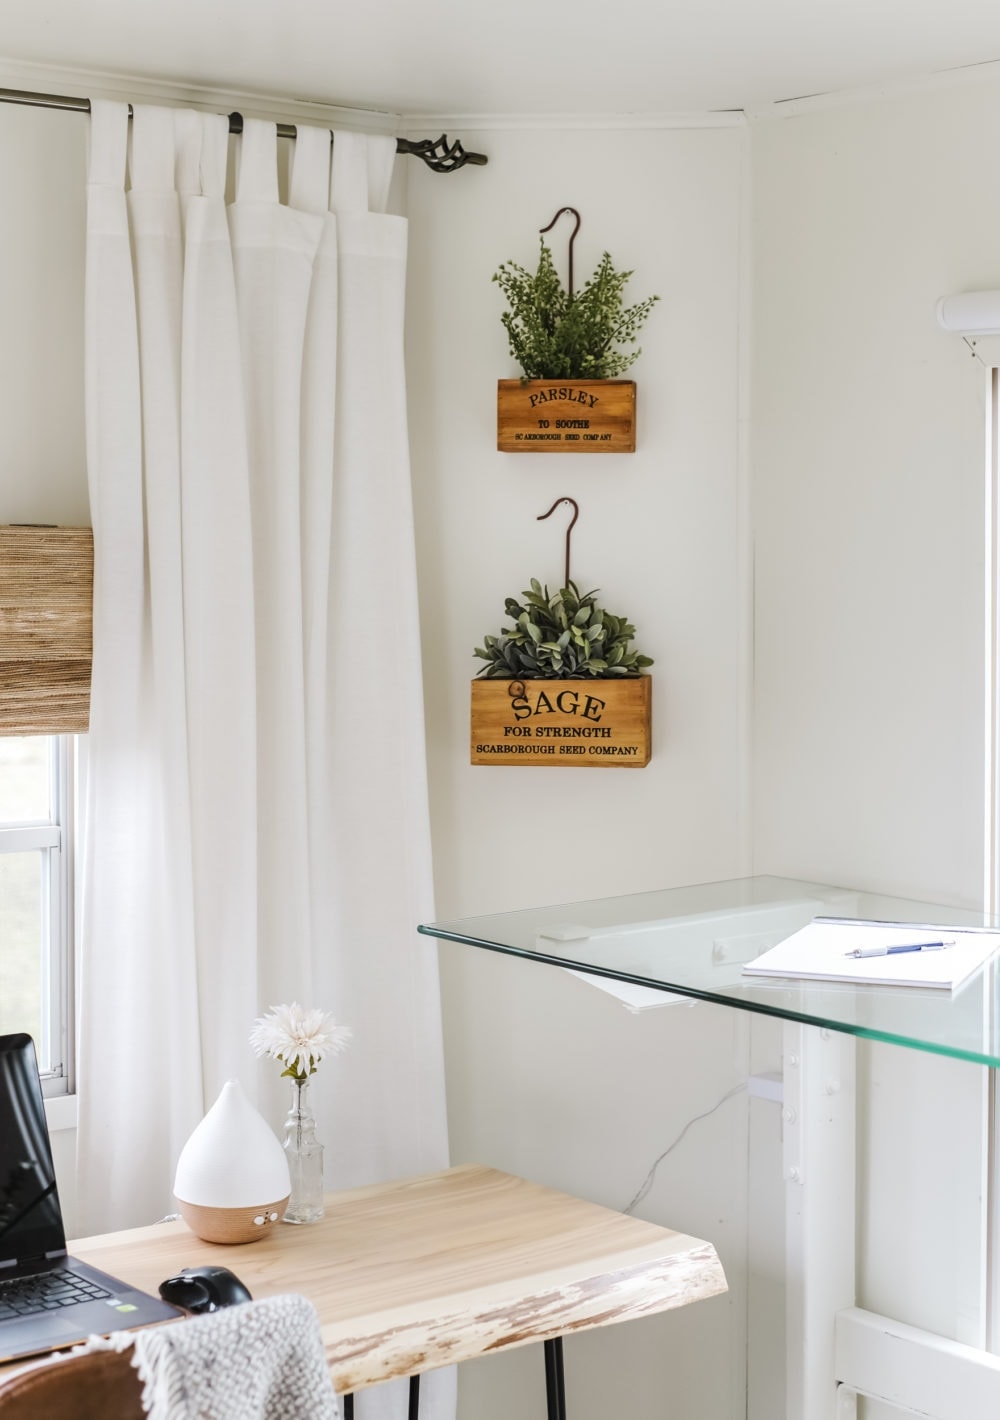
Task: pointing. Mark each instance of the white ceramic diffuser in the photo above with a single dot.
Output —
(232, 1179)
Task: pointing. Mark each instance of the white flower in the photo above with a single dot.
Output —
(298, 1038)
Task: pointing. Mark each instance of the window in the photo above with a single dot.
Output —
(36, 897)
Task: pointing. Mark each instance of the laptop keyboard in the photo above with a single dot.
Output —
(45, 1292)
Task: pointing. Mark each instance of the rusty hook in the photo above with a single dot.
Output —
(576, 513)
(572, 239)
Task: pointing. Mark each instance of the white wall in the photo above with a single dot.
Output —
(659, 530)
(868, 498)
(546, 1076)
(868, 492)
(43, 475)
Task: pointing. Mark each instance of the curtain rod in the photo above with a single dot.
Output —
(439, 155)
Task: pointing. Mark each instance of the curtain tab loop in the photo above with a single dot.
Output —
(214, 154)
(108, 143)
(381, 158)
(257, 170)
(187, 128)
(309, 184)
(153, 147)
(349, 182)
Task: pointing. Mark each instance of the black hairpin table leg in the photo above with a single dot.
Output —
(555, 1385)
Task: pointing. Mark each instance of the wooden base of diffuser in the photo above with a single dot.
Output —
(232, 1225)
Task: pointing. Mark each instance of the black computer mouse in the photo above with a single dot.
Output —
(204, 1289)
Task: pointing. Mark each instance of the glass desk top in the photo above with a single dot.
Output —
(694, 940)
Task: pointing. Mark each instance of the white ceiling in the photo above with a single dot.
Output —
(510, 56)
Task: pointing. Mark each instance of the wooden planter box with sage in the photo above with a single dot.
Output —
(594, 723)
(545, 695)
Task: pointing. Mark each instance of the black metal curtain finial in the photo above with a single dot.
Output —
(576, 513)
(572, 239)
(440, 155)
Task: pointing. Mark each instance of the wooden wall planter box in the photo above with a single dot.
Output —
(592, 723)
(566, 416)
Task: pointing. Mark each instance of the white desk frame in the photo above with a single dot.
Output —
(835, 1351)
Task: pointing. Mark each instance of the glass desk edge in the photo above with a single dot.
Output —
(962, 1025)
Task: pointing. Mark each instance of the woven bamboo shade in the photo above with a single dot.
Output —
(46, 593)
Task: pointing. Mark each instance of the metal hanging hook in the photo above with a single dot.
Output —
(572, 239)
(576, 513)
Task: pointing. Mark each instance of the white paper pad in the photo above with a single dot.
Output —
(820, 952)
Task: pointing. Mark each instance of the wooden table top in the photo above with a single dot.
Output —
(420, 1273)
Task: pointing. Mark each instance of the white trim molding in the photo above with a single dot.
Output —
(60, 1112)
(567, 122)
(87, 83)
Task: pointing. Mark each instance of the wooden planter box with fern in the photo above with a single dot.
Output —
(570, 350)
(561, 686)
(568, 417)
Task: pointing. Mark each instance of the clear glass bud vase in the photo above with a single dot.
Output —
(305, 1159)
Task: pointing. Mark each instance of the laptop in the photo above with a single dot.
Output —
(47, 1299)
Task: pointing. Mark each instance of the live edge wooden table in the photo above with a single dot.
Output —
(412, 1275)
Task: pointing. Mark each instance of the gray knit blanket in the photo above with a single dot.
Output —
(261, 1360)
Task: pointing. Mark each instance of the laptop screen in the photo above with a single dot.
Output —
(30, 1218)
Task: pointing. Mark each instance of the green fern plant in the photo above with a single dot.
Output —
(554, 335)
(560, 637)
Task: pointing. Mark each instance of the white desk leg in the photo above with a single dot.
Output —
(818, 1154)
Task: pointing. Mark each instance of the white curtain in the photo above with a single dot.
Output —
(256, 809)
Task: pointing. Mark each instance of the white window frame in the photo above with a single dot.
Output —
(991, 686)
(991, 886)
(56, 837)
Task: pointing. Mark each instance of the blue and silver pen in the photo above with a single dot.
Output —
(904, 947)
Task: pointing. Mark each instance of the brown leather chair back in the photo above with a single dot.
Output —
(103, 1386)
